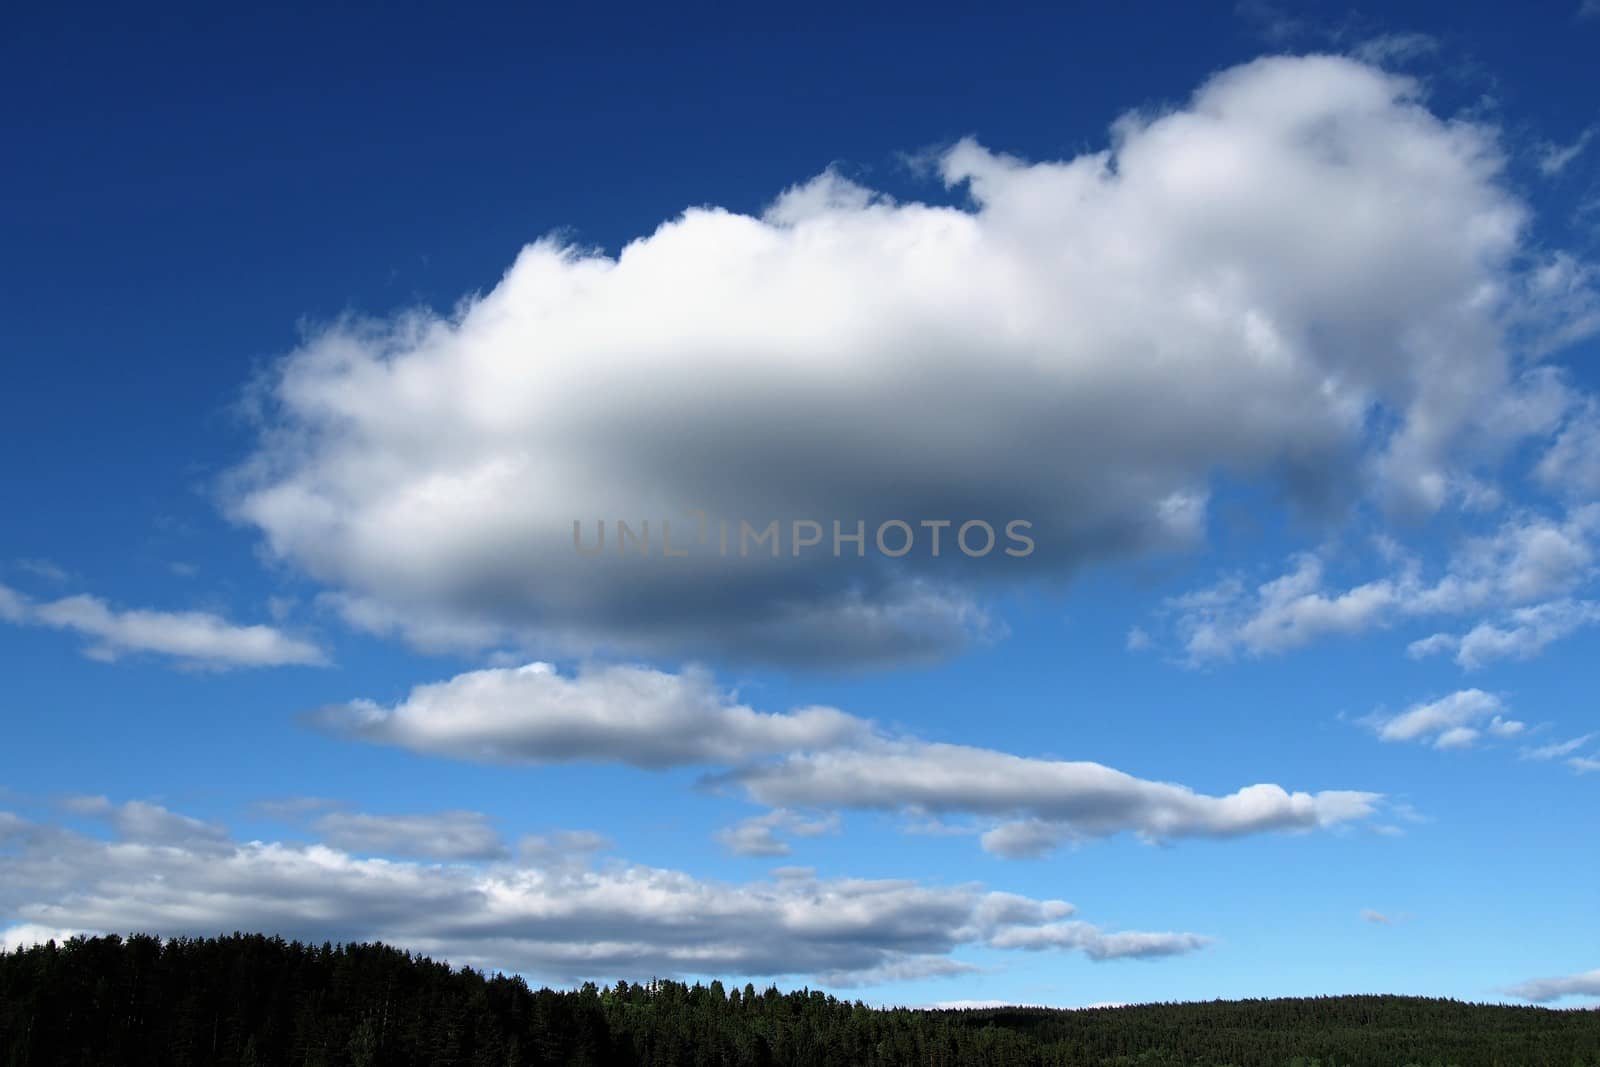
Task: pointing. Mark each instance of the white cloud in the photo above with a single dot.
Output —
(1097, 944)
(1378, 917)
(1456, 737)
(1309, 274)
(1543, 990)
(565, 921)
(1522, 634)
(1453, 721)
(815, 758)
(1044, 803)
(1287, 612)
(26, 935)
(1432, 645)
(1527, 559)
(195, 638)
(620, 714)
(1584, 764)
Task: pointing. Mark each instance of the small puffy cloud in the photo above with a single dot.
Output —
(1544, 990)
(1453, 721)
(1316, 280)
(448, 835)
(1024, 838)
(565, 921)
(1287, 612)
(1456, 737)
(194, 638)
(762, 835)
(1377, 917)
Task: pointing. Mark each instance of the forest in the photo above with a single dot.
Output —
(253, 1001)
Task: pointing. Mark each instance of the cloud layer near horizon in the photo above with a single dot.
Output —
(1544, 990)
(1312, 278)
(554, 913)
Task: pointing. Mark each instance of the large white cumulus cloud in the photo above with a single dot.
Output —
(1302, 276)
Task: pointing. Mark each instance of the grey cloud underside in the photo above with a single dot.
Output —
(1301, 277)
(555, 917)
(814, 758)
(450, 835)
(1045, 802)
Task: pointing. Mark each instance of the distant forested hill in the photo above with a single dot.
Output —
(251, 1000)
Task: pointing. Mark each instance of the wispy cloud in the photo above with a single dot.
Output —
(762, 835)
(194, 638)
(1555, 158)
(1557, 750)
(1521, 574)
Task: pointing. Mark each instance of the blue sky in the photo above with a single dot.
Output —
(1276, 325)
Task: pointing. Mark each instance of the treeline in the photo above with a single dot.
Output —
(255, 1001)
